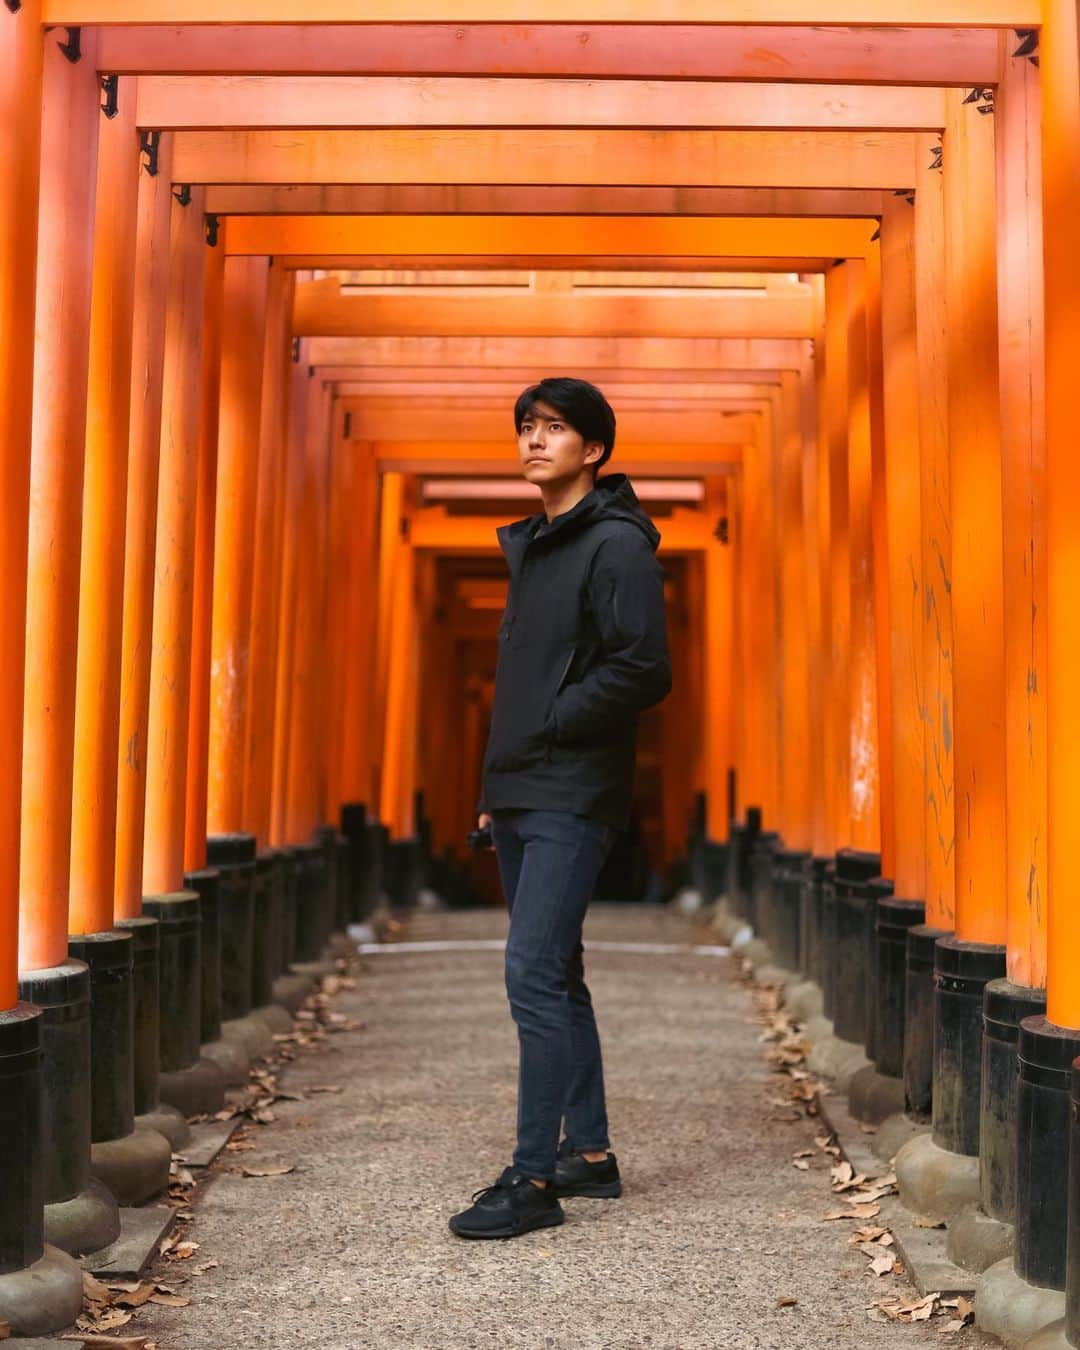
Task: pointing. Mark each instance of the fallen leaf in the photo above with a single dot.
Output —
(267, 1171)
(206, 1265)
(5, 1331)
(94, 1290)
(170, 1300)
(801, 1164)
(786, 1301)
(920, 1221)
(136, 1297)
(881, 1265)
(545, 1251)
(124, 1342)
(182, 1251)
(326, 1087)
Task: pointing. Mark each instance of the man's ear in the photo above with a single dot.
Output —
(594, 450)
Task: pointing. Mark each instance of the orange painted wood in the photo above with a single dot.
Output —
(515, 235)
(357, 732)
(558, 199)
(795, 765)
(484, 459)
(301, 390)
(202, 601)
(174, 554)
(69, 131)
(319, 312)
(936, 509)
(542, 262)
(399, 734)
(1060, 72)
(201, 102)
(243, 331)
(151, 289)
(518, 377)
(266, 564)
(975, 472)
(433, 527)
(836, 159)
(341, 512)
(20, 128)
(715, 396)
(628, 353)
(902, 466)
(873, 13)
(720, 655)
(905, 55)
(104, 515)
(837, 558)
(1022, 375)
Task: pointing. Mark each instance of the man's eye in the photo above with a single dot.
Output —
(555, 426)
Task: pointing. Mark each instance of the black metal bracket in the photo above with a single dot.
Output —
(1029, 44)
(213, 225)
(311, 372)
(14, 5)
(149, 145)
(721, 530)
(876, 235)
(296, 350)
(110, 87)
(346, 425)
(839, 262)
(182, 193)
(983, 98)
(72, 48)
(937, 154)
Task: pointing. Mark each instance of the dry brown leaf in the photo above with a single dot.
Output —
(267, 1171)
(786, 1301)
(170, 1300)
(182, 1251)
(871, 1234)
(921, 1221)
(881, 1265)
(136, 1297)
(94, 1290)
(326, 1087)
(5, 1331)
(864, 1211)
(206, 1265)
(124, 1342)
(801, 1164)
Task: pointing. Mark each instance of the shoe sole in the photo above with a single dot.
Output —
(543, 1221)
(599, 1190)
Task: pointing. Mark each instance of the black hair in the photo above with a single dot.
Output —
(582, 405)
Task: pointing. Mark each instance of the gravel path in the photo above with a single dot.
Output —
(351, 1250)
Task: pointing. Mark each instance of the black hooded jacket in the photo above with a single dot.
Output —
(582, 650)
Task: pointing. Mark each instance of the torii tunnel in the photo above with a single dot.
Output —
(270, 281)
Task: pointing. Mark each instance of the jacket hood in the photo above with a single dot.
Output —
(613, 498)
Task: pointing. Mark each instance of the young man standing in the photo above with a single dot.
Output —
(582, 650)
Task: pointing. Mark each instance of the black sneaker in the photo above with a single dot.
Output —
(575, 1175)
(509, 1208)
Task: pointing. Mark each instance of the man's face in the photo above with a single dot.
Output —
(551, 450)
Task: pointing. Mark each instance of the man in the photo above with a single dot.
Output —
(582, 650)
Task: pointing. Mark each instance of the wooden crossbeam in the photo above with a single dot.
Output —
(455, 426)
(194, 102)
(517, 377)
(511, 236)
(836, 159)
(869, 55)
(536, 199)
(645, 394)
(536, 262)
(321, 310)
(474, 459)
(433, 527)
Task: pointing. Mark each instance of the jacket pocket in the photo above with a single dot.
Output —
(549, 729)
(525, 694)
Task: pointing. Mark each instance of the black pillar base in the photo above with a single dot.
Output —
(740, 875)
(309, 886)
(22, 1170)
(206, 883)
(1046, 1053)
(785, 938)
(875, 891)
(715, 869)
(827, 952)
(1072, 1275)
(761, 911)
(962, 971)
(1005, 1005)
(265, 927)
(854, 868)
(146, 1010)
(233, 855)
(810, 946)
(919, 1015)
(895, 918)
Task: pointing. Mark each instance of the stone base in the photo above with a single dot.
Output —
(208, 1138)
(976, 1241)
(1013, 1310)
(339, 945)
(291, 990)
(129, 1256)
(836, 1060)
(195, 1091)
(167, 1120)
(935, 1182)
(804, 1000)
(231, 1057)
(894, 1133)
(135, 1168)
(755, 952)
(314, 970)
(252, 1033)
(277, 1020)
(44, 1297)
(874, 1097)
(818, 1028)
(84, 1223)
(1052, 1337)
(776, 975)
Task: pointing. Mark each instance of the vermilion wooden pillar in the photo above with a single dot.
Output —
(266, 574)
(905, 565)
(1060, 73)
(104, 514)
(150, 305)
(862, 722)
(399, 738)
(816, 543)
(198, 740)
(340, 525)
(757, 626)
(69, 138)
(1022, 374)
(975, 475)
(719, 652)
(935, 503)
(174, 554)
(794, 750)
(20, 121)
(243, 333)
(359, 628)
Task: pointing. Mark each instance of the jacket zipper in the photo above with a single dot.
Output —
(558, 691)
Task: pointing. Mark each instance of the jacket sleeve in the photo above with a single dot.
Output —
(626, 595)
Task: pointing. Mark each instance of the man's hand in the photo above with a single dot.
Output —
(484, 823)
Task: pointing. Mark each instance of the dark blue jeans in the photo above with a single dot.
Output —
(549, 862)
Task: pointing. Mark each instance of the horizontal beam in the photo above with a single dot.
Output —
(634, 394)
(837, 159)
(545, 355)
(461, 426)
(475, 459)
(348, 262)
(878, 13)
(961, 57)
(517, 377)
(435, 529)
(351, 199)
(573, 236)
(321, 311)
(196, 102)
